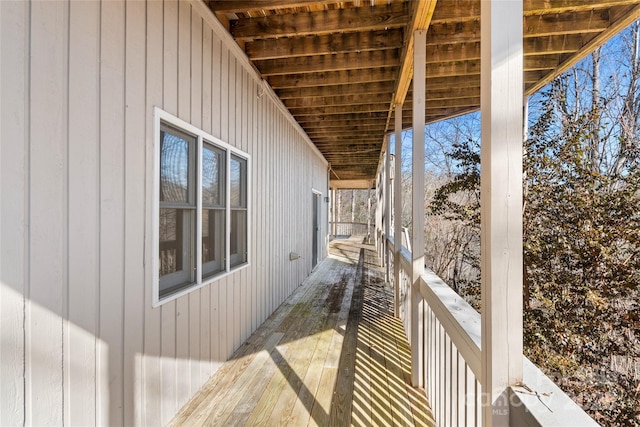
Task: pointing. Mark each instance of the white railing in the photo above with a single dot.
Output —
(450, 358)
(350, 229)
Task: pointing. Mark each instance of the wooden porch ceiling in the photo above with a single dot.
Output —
(341, 66)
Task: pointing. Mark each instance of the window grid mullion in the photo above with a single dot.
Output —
(227, 195)
(199, 210)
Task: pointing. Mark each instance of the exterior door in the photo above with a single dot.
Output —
(316, 230)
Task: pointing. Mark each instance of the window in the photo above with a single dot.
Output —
(238, 178)
(200, 210)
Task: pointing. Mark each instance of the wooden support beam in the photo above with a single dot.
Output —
(632, 16)
(317, 133)
(332, 78)
(234, 6)
(420, 20)
(536, 7)
(330, 101)
(366, 18)
(313, 111)
(501, 190)
(328, 44)
(347, 89)
(331, 123)
(417, 211)
(352, 61)
(460, 10)
(569, 23)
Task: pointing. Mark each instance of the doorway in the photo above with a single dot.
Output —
(315, 241)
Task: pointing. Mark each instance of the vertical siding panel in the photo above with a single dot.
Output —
(223, 320)
(48, 216)
(153, 395)
(244, 274)
(169, 309)
(233, 289)
(183, 336)
(196, 297)
(206, 77)
(134, 300)
(80, 331)
(216, 58)
(205, 307)
(14, 160)
(251, 122)
(259, 211)
(111, 289)
(281, 208)
(216, 87)
(272, 200)
(168, 361)
(266, 196)
(224, 94)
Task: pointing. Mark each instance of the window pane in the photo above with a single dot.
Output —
(212, 176)
(213, 239)
(238, 242)
(174, 167)
(176, 249)
(238, 177)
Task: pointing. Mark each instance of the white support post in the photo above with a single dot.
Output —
(397, 211)
(501, 192)
(368, 214)
(333, 212)
(387, 206)
(417, 212)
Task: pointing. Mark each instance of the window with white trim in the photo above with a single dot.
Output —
(200, 208)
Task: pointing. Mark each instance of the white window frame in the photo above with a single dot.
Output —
(161, 116)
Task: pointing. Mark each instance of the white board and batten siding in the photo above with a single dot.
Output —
(80, 341)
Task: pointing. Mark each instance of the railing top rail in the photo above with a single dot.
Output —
(458, 318)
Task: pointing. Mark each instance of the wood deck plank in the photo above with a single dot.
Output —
(332, 354)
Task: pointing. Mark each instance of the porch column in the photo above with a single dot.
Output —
(397, 211)
(368, 212)
(387, 206)
(417, 212)
(333, 212)
(501, 200)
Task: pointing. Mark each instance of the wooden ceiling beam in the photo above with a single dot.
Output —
(236, 6)
(540, 7)
(632, 15)
(563, 43)
(366, 18)
(420, 20)
(454, 32)
(325, 44)
(332, 78)
(324, 91)
(345, 118)
(312, 122)
(326, 63)
(317, 133)
(461, 10)
(342, 109)
(349, 143)
(330, 101)
(443, 33)
(569, 23)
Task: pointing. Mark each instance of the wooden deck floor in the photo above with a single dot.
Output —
(331, 355)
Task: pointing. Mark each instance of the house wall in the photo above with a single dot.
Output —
(80, 341)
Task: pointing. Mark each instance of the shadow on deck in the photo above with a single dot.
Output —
(331, 355)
